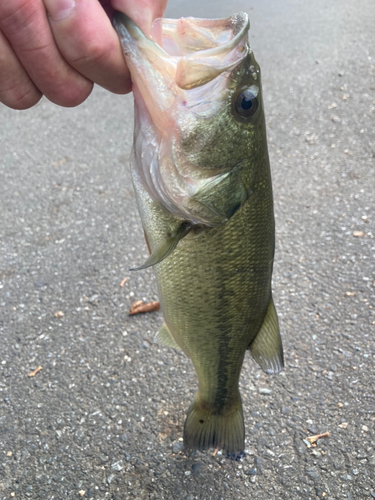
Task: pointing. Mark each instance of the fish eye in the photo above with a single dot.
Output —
(247, 102)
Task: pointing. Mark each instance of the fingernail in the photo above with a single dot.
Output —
(59, 9)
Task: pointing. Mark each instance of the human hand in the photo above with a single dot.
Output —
(60, 48)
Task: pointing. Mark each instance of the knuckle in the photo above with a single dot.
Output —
(98, 53)
(20, 97)
(103, 51)
(122, 85)
(127, 88)
(71, 95)
(38, 49)
(16, 15)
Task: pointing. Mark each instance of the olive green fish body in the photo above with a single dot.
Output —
(211, 234)
(215, 289)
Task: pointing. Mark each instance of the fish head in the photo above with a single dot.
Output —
(199, 121)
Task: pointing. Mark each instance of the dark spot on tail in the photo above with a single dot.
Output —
(201, 421)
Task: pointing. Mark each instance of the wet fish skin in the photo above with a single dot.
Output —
(215, 286)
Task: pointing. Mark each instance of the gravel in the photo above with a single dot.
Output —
(105, 414)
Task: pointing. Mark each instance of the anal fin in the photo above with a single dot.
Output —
(166, 247)
(164, 337)
(266, 349)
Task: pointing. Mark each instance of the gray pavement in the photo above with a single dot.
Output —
(103, 418)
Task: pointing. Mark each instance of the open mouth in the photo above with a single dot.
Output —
(192, 51)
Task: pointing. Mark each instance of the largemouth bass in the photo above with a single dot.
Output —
(202, 180)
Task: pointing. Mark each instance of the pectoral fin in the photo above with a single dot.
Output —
(164, 337)
(166, 247)
(266, 348)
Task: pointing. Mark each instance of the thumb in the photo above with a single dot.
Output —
(87, 41)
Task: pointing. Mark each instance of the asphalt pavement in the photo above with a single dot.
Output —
(103, 417)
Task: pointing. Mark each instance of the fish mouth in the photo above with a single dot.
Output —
(190, 52)
(205, 48)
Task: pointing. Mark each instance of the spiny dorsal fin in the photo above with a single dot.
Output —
(267, 349)
(164, 337)
(166, 247)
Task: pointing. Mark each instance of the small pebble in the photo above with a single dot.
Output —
(264, 391)
(347, 477)
(117, 466)
(82, 493)
(197, 467)
(258, 464)
(187, 473)
(312, 472)
(177, 447)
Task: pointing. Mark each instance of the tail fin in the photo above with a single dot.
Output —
(205, 429)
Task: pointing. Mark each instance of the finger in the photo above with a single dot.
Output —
(25, 25)
(88, 42)
(16, 89)
(142, 12)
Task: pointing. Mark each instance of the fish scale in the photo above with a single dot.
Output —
(214, 274)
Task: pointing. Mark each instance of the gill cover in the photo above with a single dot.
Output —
(177, 86)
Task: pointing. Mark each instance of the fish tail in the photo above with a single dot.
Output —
(205, 428)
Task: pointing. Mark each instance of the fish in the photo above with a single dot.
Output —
(201, 175)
